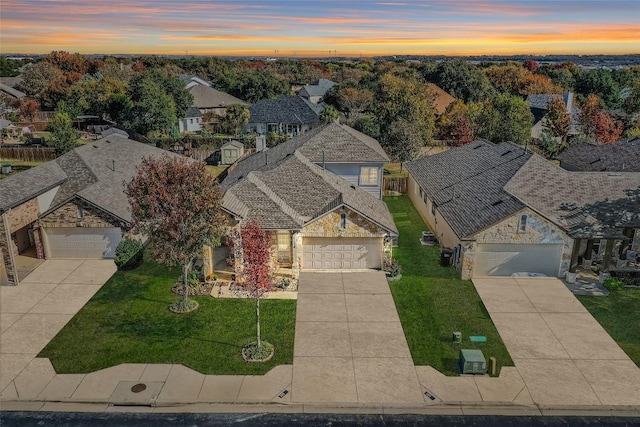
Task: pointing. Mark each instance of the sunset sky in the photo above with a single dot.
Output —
(321, 27)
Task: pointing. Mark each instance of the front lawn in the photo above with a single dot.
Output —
(619, 315)
(433, 302)
(128, 321)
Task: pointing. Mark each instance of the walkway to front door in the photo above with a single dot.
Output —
(349, 345)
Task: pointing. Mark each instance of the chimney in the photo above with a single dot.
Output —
(261, 143)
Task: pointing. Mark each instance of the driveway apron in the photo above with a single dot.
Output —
(349, 343)
(562, 353)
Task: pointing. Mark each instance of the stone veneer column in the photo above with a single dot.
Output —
(6, 251)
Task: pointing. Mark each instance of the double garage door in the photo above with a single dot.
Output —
(341, 253)
(493, 259)
(82, 242)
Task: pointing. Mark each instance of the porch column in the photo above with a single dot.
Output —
(626, 243)
(586, 260)
(574, 255)
(589, 250)
(607, 255)
(7, 253)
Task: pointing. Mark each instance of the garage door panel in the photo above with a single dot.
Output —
(340, 253)
(504, 259)
(82, 242)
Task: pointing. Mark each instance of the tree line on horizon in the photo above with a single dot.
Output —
(391, 101)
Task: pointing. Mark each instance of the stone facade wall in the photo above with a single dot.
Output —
(68, 215)
(23, 215)
(538, 230)
(329, 226)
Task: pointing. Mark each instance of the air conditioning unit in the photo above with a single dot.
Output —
(472, 362)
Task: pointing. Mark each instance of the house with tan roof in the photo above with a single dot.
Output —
(504, 210)
(320, 218)
(70, 207)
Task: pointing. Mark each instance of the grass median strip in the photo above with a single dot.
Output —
(128, 321)
(433, 302)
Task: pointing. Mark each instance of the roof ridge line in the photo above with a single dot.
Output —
(253, 178)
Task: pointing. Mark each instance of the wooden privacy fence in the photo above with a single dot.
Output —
(201, 153)
(394, 186)
(26, 154)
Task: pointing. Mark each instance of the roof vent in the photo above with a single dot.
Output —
(497, 202)
(95, 146)
(505, 153)
(477, 146)
(595, 161)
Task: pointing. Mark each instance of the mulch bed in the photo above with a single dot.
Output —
(200, 291)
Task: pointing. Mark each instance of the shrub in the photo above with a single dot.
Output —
(613, 284)
(391, 267)
(129, 254)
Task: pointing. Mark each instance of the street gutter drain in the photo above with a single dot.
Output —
(138, 388)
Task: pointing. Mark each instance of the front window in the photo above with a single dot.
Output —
(283, 242)
(368, 175)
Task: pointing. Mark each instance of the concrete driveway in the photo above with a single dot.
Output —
(561, 352)
(33, 312)
(349, 343)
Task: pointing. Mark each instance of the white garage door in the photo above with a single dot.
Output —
(505, 259)
(341, 253)
(82, 242)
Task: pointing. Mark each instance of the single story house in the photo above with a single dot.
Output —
(504, 210)
(71, 207)
(538, 104)
(315, 91)
(620, 156)
(318, 219)
(287, 115)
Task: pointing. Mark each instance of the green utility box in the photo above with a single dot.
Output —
(472, 362)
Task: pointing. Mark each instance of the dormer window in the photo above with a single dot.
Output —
(522, 227)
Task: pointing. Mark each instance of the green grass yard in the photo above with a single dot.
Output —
(128, 321)
(619, 315)
(433, 302)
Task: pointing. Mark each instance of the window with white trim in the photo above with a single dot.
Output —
(368, 175)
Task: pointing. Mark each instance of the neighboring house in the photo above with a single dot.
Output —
(620, 156)
(210, 100)
(318, 219)
(192, 120)
(71, 207)
(231, 152)
(191, 81)
(505, 210)
(288, 115)
(11, 93)
(441, 99)
(316, 91)
(8, 95)
(538, 104)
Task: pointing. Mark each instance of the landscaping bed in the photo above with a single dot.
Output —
(128, 321)
(433, 302)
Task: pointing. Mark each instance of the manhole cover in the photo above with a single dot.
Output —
(138, 388)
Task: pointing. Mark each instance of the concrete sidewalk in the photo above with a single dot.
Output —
(350, 356)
